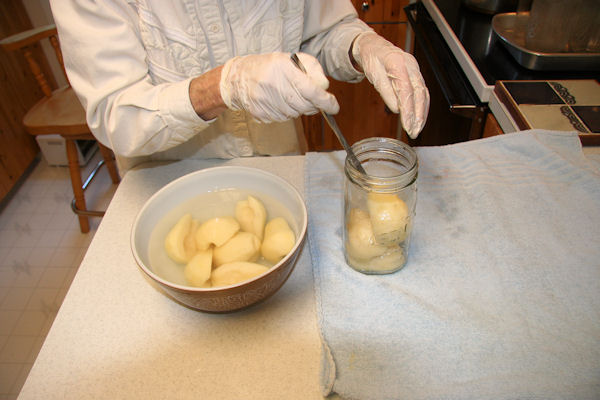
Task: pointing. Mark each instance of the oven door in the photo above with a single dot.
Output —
(455, 113)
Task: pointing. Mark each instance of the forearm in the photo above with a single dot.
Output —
(142, 118)
(126, 109)
(329, 33)
(205, 94)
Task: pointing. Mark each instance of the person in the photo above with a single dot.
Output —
(214, 79)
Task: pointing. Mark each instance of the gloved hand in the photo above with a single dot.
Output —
(396, 76)
(271, 88)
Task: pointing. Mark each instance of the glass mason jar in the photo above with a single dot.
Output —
(379, 207)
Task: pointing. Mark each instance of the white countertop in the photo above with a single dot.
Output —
(116, 336)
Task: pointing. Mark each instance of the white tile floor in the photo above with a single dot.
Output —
(41, 248)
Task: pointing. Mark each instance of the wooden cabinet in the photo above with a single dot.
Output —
(362, 111)
(492, 127)
(18, 92)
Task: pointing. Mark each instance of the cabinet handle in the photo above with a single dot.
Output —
(365, 5)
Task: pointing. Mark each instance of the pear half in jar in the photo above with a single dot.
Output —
(360, 242)
(392, 259)
(389, 217)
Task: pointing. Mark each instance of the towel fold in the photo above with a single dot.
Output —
(500, 297)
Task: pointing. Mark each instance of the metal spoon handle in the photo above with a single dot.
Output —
(333, 125)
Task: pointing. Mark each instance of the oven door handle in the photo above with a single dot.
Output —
(458, 93)
(467, 111)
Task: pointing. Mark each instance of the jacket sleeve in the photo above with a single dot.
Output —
(106, 66)
(329, 29)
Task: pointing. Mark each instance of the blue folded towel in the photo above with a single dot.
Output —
(500, 297)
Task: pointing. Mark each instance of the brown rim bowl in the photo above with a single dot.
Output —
(176, 199)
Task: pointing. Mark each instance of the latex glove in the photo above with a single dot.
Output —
(271, 88)
(396, 76)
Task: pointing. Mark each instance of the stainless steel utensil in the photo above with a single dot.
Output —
(333, 125)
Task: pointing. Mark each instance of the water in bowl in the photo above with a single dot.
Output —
(208, 205)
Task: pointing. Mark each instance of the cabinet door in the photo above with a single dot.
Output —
(362, 111)
(372, 11)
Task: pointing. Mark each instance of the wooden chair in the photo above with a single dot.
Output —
(60, 112)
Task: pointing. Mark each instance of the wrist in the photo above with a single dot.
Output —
(356, 51)
(205, 94)
(353, 59)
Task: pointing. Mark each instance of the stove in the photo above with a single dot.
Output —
(484, 58)
(462, 60)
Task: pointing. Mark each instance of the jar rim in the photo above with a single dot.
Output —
(391, 150)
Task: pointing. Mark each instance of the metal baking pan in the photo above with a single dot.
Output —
(511, 28)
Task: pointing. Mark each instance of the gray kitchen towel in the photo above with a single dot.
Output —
(500, 297)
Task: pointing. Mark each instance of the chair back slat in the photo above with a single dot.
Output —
(25, 42)
(37, 72)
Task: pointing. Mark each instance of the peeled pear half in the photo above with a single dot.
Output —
(361, 243)
(279, 240)
(243, 246)
(389, 217)
(178, 245)
(252, 215)
(216, 231)
(236, 272)
(392, 259)
(197, 270)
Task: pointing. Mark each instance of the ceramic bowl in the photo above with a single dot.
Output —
(180, 196)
